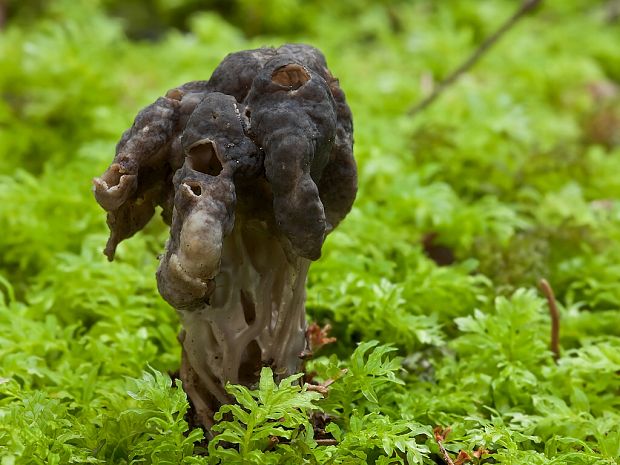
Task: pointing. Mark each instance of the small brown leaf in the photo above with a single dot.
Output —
(318, 337)
(480, 452)
(462, 458)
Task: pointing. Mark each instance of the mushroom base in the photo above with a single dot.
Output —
(254, 318)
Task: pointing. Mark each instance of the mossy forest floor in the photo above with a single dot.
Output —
(431, 284)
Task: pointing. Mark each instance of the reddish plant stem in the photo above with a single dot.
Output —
(555, 318)
(526, 7)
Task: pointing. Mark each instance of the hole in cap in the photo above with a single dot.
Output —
(202, 157)
(112, 176)
(195, 188)
(291, 75)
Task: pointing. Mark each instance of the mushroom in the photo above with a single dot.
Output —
(252, 169)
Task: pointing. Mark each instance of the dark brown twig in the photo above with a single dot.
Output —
(526, 7)
(555, 318)
(326, 442)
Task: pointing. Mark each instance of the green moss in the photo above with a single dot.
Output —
(511, 176)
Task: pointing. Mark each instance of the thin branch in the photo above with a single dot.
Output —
(317, 388)
(555, 318)
(440, 436)
(323, 388)
(526, 7)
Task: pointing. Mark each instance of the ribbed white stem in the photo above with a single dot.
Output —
(255, 318)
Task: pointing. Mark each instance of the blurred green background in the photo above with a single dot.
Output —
(511, 176)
